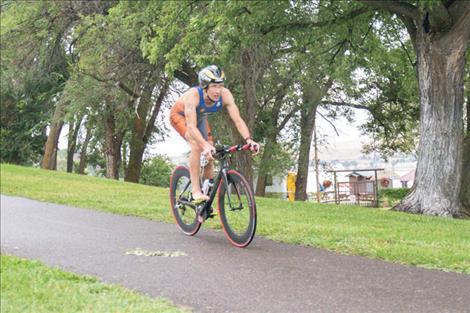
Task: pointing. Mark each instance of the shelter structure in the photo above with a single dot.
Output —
(360, 189)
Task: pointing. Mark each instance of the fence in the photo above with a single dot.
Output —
(358, 193)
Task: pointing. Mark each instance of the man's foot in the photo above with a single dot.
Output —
(199, 198)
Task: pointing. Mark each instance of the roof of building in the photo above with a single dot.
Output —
(408, 176)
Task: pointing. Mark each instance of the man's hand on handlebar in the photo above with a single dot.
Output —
(208, 151)
(254, 146)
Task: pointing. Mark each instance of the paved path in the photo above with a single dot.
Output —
(216, 277)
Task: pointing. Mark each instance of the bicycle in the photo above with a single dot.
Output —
(236, 203)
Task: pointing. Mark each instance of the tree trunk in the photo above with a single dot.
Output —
(250, 72)
(112, 148)
(137, 144)
(81, 167)
(311, 98)
(440, 64)
(143, 129)
(49, 160)
(54, 159)
(304, 157)
(262, 173)
(72, 142)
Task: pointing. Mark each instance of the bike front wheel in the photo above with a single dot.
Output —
(237, 209)
(180, 194)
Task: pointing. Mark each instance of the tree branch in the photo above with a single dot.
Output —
(118, 84)
(397, 7)
(447, 3)
(286, 119)
(406, 12)
(186, 74)
(156, 109)
(346, 104)
(331, 123)
(457, 9)
(440, 18)
(308, 24)
(462, 25)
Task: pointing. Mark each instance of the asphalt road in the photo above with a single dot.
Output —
(214, 276)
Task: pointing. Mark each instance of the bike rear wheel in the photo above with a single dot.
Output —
(237, 209)
(180, 193)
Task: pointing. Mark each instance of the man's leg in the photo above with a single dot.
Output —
(194, 166)
(209, 169)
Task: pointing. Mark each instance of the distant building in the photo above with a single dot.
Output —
(408, 179)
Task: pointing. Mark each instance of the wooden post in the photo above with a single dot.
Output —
(336, 192)
(376, 191)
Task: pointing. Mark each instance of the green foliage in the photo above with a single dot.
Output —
(391, 196)
(384, 82)
(280, 161)
(156, 171)
(394, 193)
(34, 70)
(69, 45)
(22, 125)
(30, 286)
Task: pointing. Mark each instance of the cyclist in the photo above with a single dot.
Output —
(188, 116)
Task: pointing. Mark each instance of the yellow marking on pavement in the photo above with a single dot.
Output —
(166, 254)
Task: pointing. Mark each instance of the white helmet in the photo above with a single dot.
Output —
(210, 74)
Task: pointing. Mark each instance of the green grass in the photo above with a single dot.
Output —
(424, 241)
(29, 286)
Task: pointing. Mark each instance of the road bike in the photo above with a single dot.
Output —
(235, 201)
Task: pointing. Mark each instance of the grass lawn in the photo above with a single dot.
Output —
(29, 286)
(424, 241)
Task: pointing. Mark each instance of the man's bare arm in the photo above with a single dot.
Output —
(239, 122)
(190, 104)
(191, 120)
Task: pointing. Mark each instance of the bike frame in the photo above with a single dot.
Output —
(221, 154)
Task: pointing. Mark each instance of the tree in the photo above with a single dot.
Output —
(439, 32)
(152, 86)
(67, 14)
(323, 50)
(33, 72)
(156, 171)
(117, 63)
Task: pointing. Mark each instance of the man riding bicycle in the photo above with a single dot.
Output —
(188, 116)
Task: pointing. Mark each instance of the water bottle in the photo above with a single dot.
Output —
(205, 187)
(211, 184)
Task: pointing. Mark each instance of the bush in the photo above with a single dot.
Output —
(276, 195)
(391, 196)
(156, 171)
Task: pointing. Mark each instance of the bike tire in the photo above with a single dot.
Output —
(185, 216)
(239, 225)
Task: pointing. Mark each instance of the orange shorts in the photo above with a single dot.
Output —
(178, 122)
